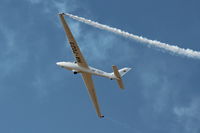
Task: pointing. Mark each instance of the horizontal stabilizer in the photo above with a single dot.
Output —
(118, 76)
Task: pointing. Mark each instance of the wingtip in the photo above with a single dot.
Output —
(64, 14)
(61, 13)
(102, 116)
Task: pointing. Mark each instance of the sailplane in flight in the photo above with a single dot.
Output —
(82, 67)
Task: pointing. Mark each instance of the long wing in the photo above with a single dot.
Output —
(90, 86)
(75, 49)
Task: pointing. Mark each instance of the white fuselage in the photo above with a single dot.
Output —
(76, 68)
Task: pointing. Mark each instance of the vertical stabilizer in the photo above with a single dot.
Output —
(123, 71)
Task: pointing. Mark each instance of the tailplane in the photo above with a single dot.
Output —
(118, 74)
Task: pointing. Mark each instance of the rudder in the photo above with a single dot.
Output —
(123, 71)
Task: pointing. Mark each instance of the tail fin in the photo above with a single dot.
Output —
(119, 74)
(123, 71)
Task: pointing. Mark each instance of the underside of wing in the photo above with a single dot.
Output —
(90, 86)
(75, 49)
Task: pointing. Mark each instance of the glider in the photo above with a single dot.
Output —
(81, 66)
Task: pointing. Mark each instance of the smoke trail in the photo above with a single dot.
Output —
(167, 47)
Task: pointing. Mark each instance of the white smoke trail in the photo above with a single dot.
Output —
(167, 47)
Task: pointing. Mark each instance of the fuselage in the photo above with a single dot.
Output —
(73, 66)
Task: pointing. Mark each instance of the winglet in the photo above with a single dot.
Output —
(101, 116)
(61, 13)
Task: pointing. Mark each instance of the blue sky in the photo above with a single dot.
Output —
(162, 91)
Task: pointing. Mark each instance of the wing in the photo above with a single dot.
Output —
(90, 86)
(75, 49)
